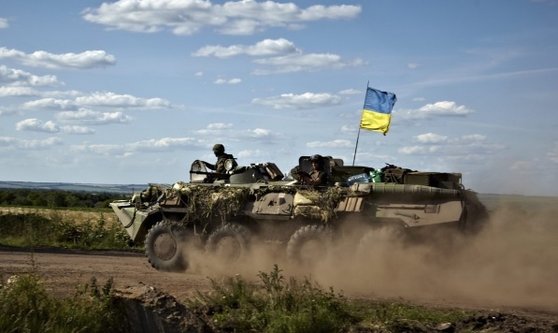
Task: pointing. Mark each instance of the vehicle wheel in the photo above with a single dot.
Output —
(229, 242)
(164, 245)
(308, 244)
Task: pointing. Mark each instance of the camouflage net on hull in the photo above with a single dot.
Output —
(321, 204)
(204, 203)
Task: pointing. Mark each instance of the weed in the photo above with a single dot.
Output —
(276, 304)
(25, 306)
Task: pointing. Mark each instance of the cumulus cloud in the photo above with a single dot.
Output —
(3, 23)
(339, 143)
(470, 146)
(19, 77)
(219, 126)
(99, 99)
(278, 56)
(150, 145)
(431, 138)
(10, 143)
(302, 62)
(266, 47)
(7, 91)
(34, 124)
(187, 17)
(83, 60)
(90, 117)
(438, 109)
(229, 81)
(306, 100)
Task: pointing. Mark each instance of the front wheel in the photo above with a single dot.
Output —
(164, 247)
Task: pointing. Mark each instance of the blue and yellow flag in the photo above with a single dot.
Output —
(376, 114)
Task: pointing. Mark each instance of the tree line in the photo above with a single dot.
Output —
(56, 198)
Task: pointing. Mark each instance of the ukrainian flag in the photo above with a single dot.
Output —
(376, 114)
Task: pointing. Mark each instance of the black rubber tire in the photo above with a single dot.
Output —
(239, 236)
(318, 234)
(164, 247)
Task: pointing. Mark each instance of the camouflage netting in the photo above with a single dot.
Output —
(323, 203)
(207, 202)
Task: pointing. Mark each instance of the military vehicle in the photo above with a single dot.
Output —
(224, 213)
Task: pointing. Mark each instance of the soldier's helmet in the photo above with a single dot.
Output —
(218, 148)
(316, 158)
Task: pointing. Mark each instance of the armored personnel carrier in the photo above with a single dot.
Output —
(224, 213)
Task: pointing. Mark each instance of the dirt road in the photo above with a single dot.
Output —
(63, 270)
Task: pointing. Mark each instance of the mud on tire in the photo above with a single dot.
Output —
(164, 246)
(308, 244)
(229, 242)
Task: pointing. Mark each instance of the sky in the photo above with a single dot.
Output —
(132, 92)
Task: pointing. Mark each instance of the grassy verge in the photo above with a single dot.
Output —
(26, 306)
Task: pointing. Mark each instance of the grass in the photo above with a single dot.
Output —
(54, 228)
(26, 306)
(276, 304)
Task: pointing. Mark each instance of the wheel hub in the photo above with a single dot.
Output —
(165, 246)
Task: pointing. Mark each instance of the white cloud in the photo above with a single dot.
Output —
(89, 117)
(229, 81)
(259, 133)
(249, 154)
(445, 108)
(266, 47)
(438, 109)
(21, 144)
(302, 62)
(412, 66)
(19, 77)
(350, 92)
(219, 126)
(83, 60)
(3, 23)
(150, 145)
(431, 138)
(100, 99)
(339, 143)
(468, 147)
(198, 74)
(301, 101)
(418, 150)
(348, 129)
(186, 17)
(7, 91)
(77, 130)
(36, 125)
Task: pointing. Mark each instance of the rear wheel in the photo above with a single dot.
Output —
(308, 244)
(164, 247)
(229, 242)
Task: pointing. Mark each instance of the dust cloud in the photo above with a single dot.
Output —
(511, 262)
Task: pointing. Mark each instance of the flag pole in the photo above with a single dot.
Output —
(358, 135)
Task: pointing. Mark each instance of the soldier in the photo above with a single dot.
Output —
(317, 176)
(219, 166)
